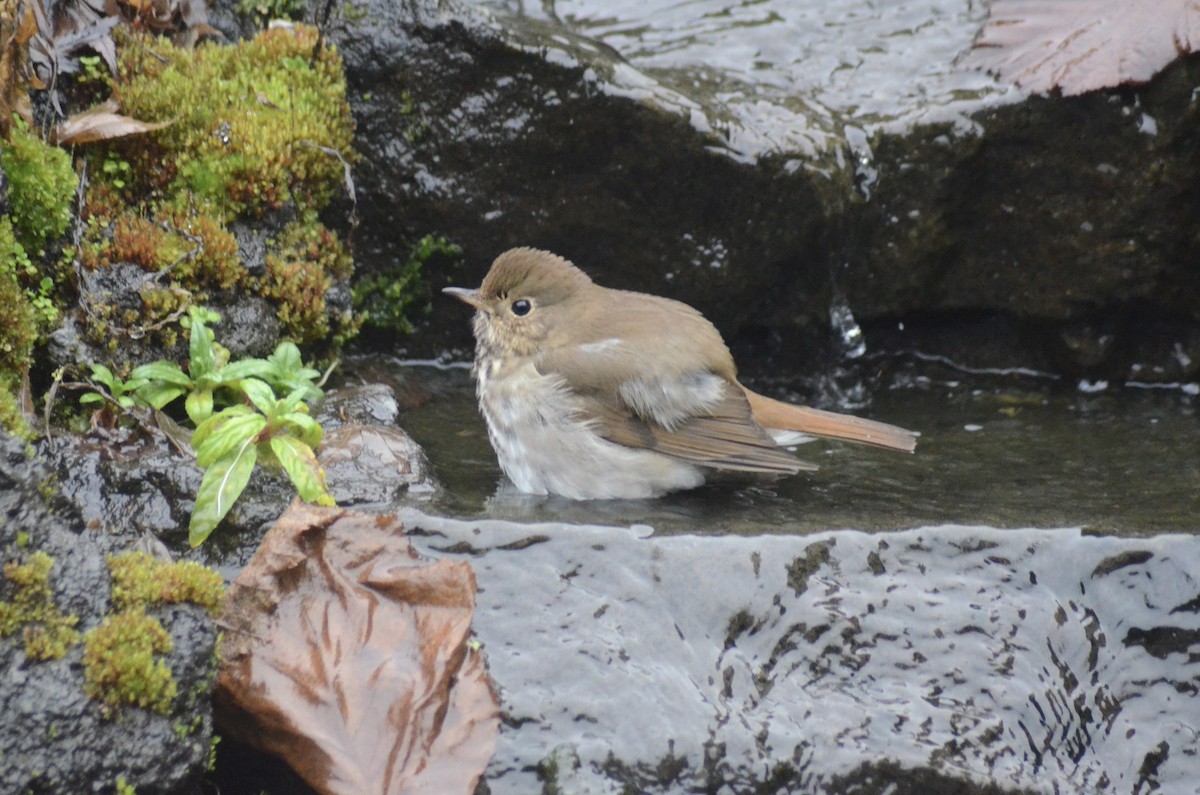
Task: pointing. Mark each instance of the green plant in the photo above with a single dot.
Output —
(387, 299)
(211, 379)
(229, 443)
(239, 416)
(47, 631)
(123, 393)
(266, 10)
(123, 662)
(116, 171)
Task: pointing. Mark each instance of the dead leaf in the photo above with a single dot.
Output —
(346, 654)
(1084, 45)
(102, 123)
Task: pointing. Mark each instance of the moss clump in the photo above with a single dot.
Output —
(248, 122)
(41, 187)
(122, 662)
(305, 260)
(140, 581)
(18, 321)
(251, 131)
(122, 658)
(48, 633)
(23, 314)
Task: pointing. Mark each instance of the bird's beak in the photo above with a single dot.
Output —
(465, 295)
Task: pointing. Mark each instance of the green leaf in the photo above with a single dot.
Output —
(199, 406)
(304, 427)
(223, 483)
(162, 370)
(200, 348)
(103, 375)
(132, 385)
(91, 397)
(293, 402)
(227, 435)
(260, 394)
(300, 463)
(212, 423)
(159, 394)
(287, 359)
(247, 368)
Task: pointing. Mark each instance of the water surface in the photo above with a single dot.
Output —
(1023, 452)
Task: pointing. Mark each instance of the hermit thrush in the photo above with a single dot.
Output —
(594, 393)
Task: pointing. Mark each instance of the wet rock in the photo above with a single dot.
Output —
(408, 391)
(373, 465)
(55, 738)
(481, 134)
(367, 460)
(130, 480)
(960, 198)
(368, 403)
(948, 659)
(249, 328)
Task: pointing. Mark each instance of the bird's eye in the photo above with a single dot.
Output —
(521, 307)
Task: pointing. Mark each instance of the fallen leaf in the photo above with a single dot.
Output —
(1084, 45)
(102, 123)
(347, 655)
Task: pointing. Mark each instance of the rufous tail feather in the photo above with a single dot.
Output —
(775, 414)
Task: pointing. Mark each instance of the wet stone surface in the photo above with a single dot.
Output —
(53, 737)
(944, 658)
(768, 161)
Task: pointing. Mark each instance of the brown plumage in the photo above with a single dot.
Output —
(558, 355)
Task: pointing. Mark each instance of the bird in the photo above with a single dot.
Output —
(591, 393)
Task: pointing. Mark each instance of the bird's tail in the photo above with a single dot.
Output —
(776, 415)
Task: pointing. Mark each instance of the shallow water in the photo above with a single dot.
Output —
(1010, 453)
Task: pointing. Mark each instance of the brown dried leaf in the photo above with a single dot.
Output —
(346, 655)
(1084, 45)
(102, 123)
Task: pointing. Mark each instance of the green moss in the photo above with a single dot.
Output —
(41, 187)
(31, 609)
(305, 260)
(123, 787)
(11, 417)
(18, 321)
(248, 122)
(263, 11)
(122, 663)
(251, 129)
(140, 581)
(26, 310)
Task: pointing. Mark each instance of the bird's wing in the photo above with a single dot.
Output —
(724, 436)
(652, 373)
(660, 358)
